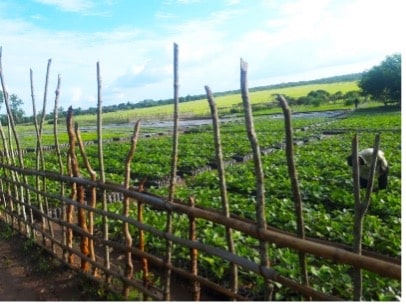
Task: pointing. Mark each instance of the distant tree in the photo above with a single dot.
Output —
(15, 107)
(383, 82)
(317, 97)
(336, 96)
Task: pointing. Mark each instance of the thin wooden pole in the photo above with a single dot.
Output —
(41, 126)
(259, 174)
(168, 259)
(40, 162)
(361, 207)
(222, 184)
(79, 189)
(194, 253)
(92, 174)
(60, 163)
(129, 268)
(300, 231)
(102, 173)
(141, 239)
(21, 208)
(69, 208)
(39, 151)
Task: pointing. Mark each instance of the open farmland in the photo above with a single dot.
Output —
(224, 103)
(322, 137)
(322, 145)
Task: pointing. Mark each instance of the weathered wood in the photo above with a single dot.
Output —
(174, 161)
(361, 207)
(222, 183)
(101, 165)
(60, 162)
(12, 130)
(92, 198)
(129, 268)
(297, 199)
(194, 254)
(280, 238)
(259, 173)
(141, 239)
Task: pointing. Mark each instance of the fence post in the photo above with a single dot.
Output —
(129, 268)
(168, 259)
(92, 198)
(222, 183)
(259, 173)
(102, 173)
(361, 207)
(294, 184)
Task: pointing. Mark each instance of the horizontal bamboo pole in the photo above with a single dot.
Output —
(365, 252)
(281, 239)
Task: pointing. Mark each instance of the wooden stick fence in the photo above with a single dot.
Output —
(74, 239)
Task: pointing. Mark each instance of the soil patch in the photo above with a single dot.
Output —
(28, 273)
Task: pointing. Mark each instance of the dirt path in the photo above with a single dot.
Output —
(29, 274)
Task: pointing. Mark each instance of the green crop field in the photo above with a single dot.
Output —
(201, 107)
(324, 177)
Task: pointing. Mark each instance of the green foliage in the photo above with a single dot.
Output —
(383, 82)
(6, 231)
(326, 189)
(15, 104)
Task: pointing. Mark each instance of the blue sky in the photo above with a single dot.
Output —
(290, 40)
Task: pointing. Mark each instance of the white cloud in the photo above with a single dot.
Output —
(69, 5)
(297, 41)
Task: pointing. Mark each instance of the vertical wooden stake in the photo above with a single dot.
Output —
(361, 207)
(168, 258)
(223, 186)
(194, 253)
(141, 245)
(295, 185)
(259, 174)
(102, 173)
(129, 269)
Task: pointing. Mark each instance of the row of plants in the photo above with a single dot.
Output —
(325, 182)
(326, 185)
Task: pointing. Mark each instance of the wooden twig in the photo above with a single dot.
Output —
(39, 153)
(69, 208)
(102, 173)
(222, 183)
(92, 174)
(40, 162)
(194, 253)
(294, 184)
(141, 243)
(361, 207)
(41, 126)
(387, 268)
(60, 163)
(20, 209)
(259, 174)
(168, 259)
(129, 268)
(79, 189)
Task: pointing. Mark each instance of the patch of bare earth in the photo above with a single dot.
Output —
(29, 274)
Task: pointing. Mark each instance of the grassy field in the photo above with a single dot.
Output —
(201, 108)
(87, 123)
